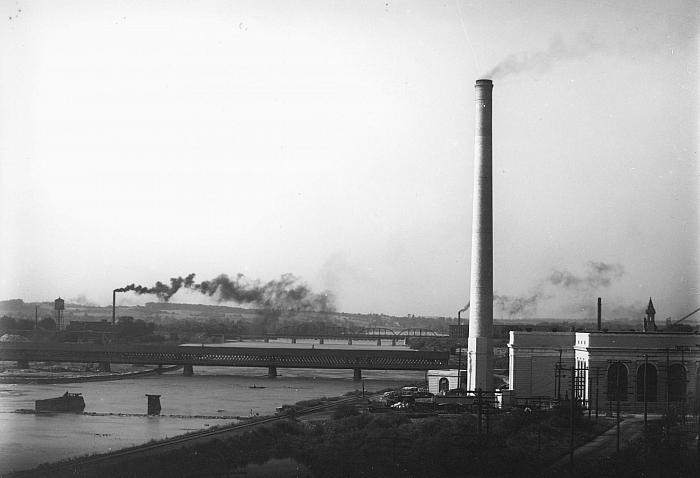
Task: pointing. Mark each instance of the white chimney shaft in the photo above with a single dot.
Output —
(480, 358)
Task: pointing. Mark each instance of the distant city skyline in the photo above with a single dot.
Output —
(334, 141)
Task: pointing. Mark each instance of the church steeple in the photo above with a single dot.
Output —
(649, 318)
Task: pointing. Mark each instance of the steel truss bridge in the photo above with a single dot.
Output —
(188, 356)
(341, 333)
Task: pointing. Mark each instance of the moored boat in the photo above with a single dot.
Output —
(68, 402)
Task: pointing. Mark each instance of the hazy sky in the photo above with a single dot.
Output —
(141, 140)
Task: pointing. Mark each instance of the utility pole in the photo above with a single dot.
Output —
(646, 386)
(668, 392)
(478, 401)
(586, 385)
(572, 417)
(559, 376)
(617, 393)
(668, 380)
(596, 394)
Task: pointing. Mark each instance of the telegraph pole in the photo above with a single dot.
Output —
(617, 393)
(596, 394)
(478, 400)
(572, 417)
(559, 376)
(646, 364)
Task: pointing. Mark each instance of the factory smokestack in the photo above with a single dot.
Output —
(480, 368)
(600, 314)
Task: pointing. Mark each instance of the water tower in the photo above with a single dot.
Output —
(59, 305)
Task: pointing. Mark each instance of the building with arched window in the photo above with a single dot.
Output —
(647, 374)
(617, 381)
(634, 367)
(440, 381)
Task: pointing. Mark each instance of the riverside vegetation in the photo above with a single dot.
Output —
(355, 444)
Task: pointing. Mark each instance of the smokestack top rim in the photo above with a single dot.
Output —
(484, 82)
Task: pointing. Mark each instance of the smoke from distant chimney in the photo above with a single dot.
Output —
(286, 294)
(597, 275)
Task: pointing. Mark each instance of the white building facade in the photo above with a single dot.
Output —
(634, 367)
(533, 359)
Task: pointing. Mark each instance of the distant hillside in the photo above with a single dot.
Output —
(166, 312)
(163, 313)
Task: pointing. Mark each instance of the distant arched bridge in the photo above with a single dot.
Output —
(312, 331)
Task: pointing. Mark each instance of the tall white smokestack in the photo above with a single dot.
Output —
(480, 357)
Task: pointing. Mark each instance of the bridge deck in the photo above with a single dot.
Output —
(227, 356)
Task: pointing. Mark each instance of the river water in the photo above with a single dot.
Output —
(217, 394)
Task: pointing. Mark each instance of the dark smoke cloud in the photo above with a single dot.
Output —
(286, 294)
(163, 291)
(597, 275)
(523, 306)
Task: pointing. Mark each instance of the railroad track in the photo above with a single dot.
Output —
(150, 448)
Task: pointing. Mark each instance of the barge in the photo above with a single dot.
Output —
(68, 402)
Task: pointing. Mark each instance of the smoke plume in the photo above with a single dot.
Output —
(163, 291)
(523, 306)
(286, 294)
(596, 275)
(651, 33)
(557, 50)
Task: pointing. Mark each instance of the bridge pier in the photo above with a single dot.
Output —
(187, 370)
(294, 340)
(271, 371)
(350, 341)
(393, 342)
(104, 367)
(267, 340)
(357, 374)
(379, 342)
(320, 341)
(153, 404)
(23, 364)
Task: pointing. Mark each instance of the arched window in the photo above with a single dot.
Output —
(677, 383)
(650, 377)
(617, 382)
(443, 385)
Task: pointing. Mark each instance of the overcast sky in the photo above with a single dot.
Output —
(335, 140)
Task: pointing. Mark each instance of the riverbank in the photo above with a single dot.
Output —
(98, 464)
(348, 441)
(47, 376)
(117, 407)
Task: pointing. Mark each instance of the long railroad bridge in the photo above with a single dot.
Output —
(189, 356)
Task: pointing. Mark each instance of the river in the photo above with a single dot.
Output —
(215, 393)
